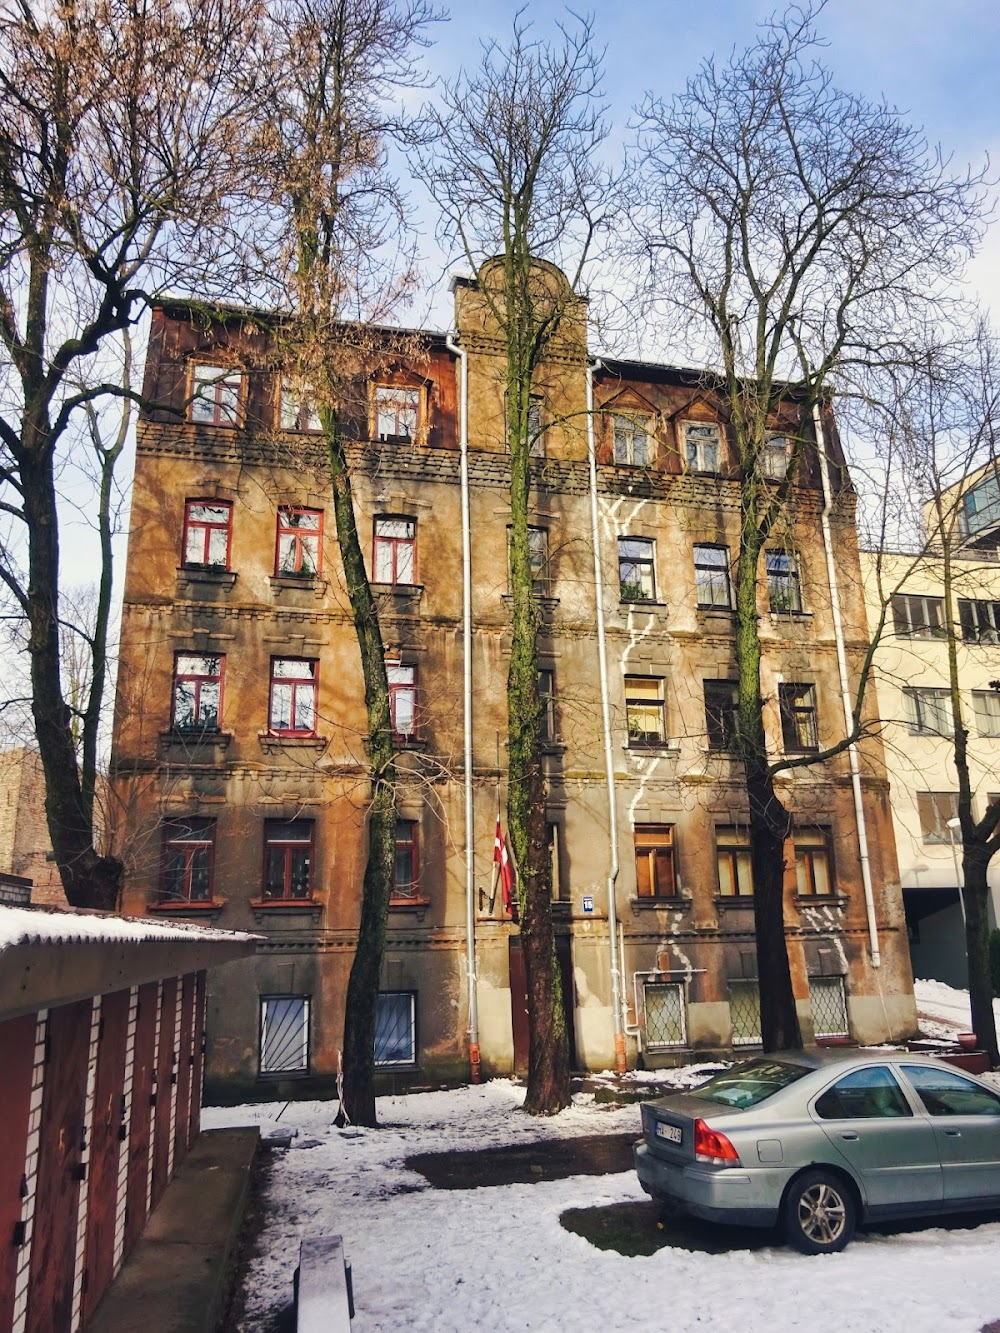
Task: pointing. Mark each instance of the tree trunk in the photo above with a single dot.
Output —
(548, 1049)
(769, 820)
(89, 880)
(975, 896)
(366, 968)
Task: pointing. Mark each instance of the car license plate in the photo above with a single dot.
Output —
(670, 1132)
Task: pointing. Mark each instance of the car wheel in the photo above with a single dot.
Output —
(819, 1214)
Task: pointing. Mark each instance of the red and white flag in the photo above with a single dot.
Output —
(502, 859)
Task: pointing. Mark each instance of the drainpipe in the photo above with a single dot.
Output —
(621, 1064)
(470, 864)
(845, 692)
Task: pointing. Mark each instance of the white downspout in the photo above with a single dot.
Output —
(838, 632)
(470, 862)
(621, 1063)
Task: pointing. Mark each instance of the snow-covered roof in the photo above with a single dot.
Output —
(52, 956)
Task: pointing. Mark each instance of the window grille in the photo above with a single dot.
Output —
(744, 1012)
(664, 1005)
(284, 1034)
(395, 1028)
(829, 1006)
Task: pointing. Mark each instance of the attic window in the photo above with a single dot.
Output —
(397, 412)
(631, 439)
(701, 446)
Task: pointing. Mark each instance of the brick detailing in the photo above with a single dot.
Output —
(153, 1098)
(85, 1144)
(30, 1175)
(174, 1057)
(122, 1185)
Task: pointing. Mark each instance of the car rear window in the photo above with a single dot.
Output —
(751, 1082)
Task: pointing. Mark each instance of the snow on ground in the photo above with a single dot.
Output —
(447, 1261)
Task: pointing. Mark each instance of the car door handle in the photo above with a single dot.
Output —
(953, 1133)
(850, 1136)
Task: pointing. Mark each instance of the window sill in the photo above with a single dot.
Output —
(660, 904)
(409, 742)
(645, 748)
(273, 742)
(195, 740)
(209, 909)
(793, 616)
(208, 575)
(418, 906)
(274, 911)
(642, 604)
(839, 900)
(405, 592)
(546, 602)
(725, 613)
(734, 900)
(282, 583)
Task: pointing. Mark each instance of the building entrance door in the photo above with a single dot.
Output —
(519, 999)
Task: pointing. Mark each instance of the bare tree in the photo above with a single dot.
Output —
(514, 169)
(121, 143)
(792, 231)
(341, 223)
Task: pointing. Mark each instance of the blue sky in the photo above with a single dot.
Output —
(937, 62)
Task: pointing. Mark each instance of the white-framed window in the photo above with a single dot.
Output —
(636, 569)
(928, 711)
(986, 706)
(664, 1006)
(936, 809)
(776, 456)
(397, 411)
(284, 1035)
(396, 1028)
(394, 548)
(980, 621)
(702, 446)
(644, 715)
(784, 593)
(918, 617)
(216, 393)
(402, 677)
(797, 708)
(630, 435)
(711, 577)
(298, 412)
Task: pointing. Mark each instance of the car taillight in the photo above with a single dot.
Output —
(711, 1146)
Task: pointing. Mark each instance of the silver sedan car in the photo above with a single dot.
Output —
(818, 1142)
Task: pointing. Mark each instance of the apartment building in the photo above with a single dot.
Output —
(239, 735)
(914, 696)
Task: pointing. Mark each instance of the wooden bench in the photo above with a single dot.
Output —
(324, 1301)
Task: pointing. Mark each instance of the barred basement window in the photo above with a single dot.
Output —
(396, 1028)
(664, 1005)
(744, 1012)
(829, 1006)
(284, 1035)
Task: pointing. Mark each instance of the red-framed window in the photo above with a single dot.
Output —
(292, 710)
(216, 395)
(402, 697)
(208, 531)
(300, 542)
(288, 858)
(198, 681)
(395, 549)
(406, 874)
(187, 867)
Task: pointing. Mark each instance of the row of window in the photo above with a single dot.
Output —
(915, 616)
(207, 543)
(938, 814)
(646, 721)
(656, 867)
(188, 861)
(665, 1015)
(199, 680)
(285, 1033)
(187, 871)
(398, 413)
(929, 713)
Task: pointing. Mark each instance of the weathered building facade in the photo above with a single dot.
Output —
(239, 739)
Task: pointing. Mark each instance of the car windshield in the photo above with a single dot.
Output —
(750, 1083)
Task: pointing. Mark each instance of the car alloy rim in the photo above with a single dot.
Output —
(822, 1214)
